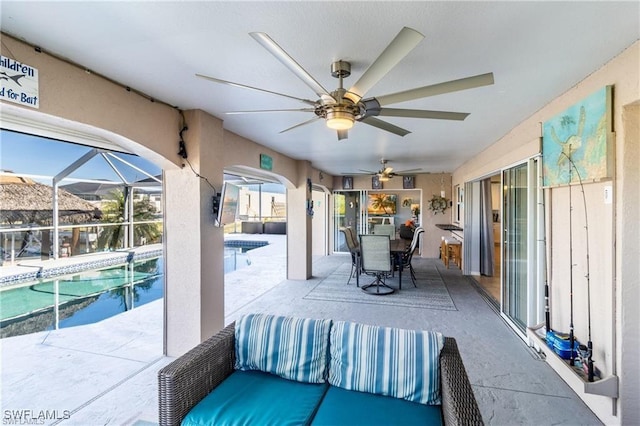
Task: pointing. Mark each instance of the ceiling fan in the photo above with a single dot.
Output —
(341, 108)
(386, 172)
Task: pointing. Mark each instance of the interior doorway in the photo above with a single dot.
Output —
(347, 214)
(491, 283)
(320, 223)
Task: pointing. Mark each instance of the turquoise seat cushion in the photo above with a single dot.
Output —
(386, 361)
(293, 348)
(345, 407)
(257, 398)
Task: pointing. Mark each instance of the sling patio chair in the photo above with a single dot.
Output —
(408, 254)
(354, 250)
(375, 256)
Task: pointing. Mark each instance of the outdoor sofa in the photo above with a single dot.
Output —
(235, 377)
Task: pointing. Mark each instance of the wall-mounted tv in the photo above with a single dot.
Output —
(382, 204)
(228, 209)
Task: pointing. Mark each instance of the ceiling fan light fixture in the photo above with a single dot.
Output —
(339, 120)
(383, 178)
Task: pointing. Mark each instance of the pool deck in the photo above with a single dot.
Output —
(106, 373)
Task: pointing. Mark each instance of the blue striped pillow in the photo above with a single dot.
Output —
(386, 361)
(293, 348)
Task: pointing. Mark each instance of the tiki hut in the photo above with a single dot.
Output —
(24, 201)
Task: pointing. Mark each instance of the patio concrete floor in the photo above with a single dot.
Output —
(105, 373)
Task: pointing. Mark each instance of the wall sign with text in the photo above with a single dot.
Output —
(18, 83)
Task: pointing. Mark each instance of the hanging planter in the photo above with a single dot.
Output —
(438, 204)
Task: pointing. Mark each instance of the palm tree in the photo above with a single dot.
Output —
(383, 202)
(114, 212)
(130, 294)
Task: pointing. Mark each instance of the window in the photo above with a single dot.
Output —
(459, 211)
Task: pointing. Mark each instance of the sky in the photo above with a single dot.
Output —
(28, 154)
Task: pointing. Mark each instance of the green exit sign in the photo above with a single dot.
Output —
(266, 162)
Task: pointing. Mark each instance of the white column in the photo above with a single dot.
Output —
(299, 230)
(194, 271)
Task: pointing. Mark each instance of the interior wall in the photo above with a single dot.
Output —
(429, 185)
(608, 232)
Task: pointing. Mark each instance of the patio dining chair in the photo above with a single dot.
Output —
(375, 256)
(354, 250)
(408, 254)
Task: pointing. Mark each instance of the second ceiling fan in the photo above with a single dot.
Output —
(342, 107)
(386, 172)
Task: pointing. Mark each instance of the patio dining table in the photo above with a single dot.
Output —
(398, 247)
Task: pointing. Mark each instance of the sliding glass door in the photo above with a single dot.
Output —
(518, 217)
(347, 213)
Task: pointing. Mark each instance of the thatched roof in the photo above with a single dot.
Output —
(23, 200)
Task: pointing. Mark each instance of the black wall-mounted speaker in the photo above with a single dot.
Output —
(216, 204)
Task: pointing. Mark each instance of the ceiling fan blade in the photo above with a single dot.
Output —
(399, 47)
(300, 125)
(368, 171)
(343, 134)
(372, 121)
(437, 89)
(277, 51)
(259, 111)
(419, 113)
(243, 86)
(406, 171)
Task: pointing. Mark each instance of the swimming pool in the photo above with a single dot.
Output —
(81, 298)
(235, 253)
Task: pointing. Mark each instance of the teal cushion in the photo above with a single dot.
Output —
(293, 348)
(257, 398)
(386, 361)
(344, 407)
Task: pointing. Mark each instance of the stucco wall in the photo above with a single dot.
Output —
(244, 152)
(613, 241)
(146, 128)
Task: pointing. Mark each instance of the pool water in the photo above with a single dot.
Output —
(244, 246)
(79, 299)
(91, 296)
(235, 253)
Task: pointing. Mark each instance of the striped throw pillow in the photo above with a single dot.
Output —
(293, 348)
(386, 361)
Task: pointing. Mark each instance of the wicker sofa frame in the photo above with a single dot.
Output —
(188, 379)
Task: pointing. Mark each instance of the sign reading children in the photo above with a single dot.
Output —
(18, 83)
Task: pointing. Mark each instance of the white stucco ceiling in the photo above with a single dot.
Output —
(536, 50)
